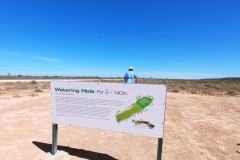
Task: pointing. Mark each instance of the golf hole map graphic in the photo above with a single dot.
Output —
(130, 108)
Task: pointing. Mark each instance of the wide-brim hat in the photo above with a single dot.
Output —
(132, 68)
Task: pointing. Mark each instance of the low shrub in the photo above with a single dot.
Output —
(175, 90)
(194, 92)
(38, 90)
(232, 92)
(33, 82)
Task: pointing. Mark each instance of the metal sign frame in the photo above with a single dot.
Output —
(55, 136)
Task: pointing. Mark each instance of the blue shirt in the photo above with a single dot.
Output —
(129, 77)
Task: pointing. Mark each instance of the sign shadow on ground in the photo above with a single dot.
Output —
(81, 153)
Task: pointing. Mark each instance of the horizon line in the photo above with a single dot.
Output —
(114, 77)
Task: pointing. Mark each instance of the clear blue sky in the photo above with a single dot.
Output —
(162, 38)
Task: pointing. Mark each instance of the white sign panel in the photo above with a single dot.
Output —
(130, 108)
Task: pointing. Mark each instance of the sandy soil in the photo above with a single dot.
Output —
(197, 128)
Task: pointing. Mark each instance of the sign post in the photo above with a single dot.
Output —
(160, 140)
(54, 138)
(159, 149)
(127, 108)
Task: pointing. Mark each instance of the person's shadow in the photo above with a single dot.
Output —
(75, 152)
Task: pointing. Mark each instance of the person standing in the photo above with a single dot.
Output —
(130, 76)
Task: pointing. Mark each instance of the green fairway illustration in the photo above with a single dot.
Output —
(141, 104)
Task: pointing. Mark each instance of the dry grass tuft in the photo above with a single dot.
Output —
(32, 94)
(16, 95)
